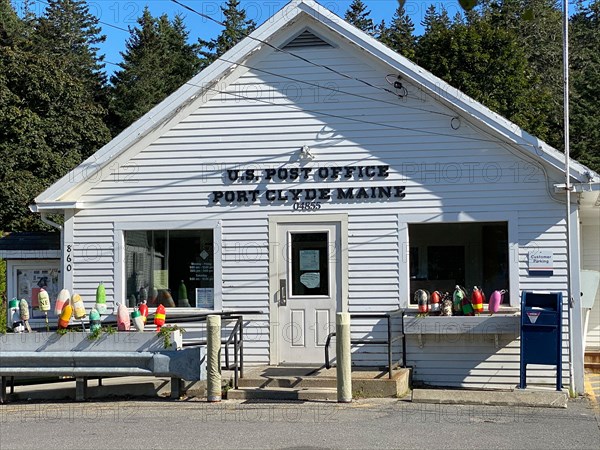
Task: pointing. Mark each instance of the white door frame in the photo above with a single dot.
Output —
(274, 221)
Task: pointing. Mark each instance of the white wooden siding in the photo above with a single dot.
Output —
(590, 259)
(444, 170)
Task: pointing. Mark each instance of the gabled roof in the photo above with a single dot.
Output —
(65, 192)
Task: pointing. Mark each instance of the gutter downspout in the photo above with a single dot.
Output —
(44, 218)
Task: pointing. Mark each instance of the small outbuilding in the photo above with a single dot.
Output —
(32, 262)
(312, 170)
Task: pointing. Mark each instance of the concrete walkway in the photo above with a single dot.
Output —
(149, 387)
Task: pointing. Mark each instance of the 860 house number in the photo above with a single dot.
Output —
(306, 206)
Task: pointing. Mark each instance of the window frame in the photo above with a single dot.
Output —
(120, 248)
(511, 220)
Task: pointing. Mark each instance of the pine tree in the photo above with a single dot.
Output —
(538, 26)
(49, 120)
(236, 28)
(358, 16)
(399, 36)
(585, 77)
(69, 32)
(157, 60)
(430, 50)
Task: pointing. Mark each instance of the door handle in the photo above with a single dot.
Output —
(282, 293)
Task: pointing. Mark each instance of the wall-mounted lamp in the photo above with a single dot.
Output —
(305, 153)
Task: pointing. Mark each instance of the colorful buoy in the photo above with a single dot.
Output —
(160, 317)
(95, 323)
(63, 297)
(65, 316)
(123, 322)
(101, 299)
(477, 299)
(138, 320)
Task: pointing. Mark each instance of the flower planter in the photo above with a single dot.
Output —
(78, 341)
(482, 324)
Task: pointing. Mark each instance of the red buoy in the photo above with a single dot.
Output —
(434, 301)
(422, 299)
(160, 317)
(477, 298)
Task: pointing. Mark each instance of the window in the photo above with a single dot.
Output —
(443, 255)
(173, 268)
(310, 264)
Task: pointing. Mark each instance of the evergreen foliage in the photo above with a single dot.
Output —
(585, 97)
(158, 60)
(399, 36)
(358, 16)
(236, 28)
(50, 117)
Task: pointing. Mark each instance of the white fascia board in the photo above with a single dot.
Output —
(192, 93)
(499, 126)
(54, 206)
(30, 254)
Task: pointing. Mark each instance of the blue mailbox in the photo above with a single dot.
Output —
(541, 332)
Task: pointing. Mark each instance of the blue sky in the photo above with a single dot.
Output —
(118, 15)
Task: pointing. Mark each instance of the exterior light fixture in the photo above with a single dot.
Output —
(305, 153)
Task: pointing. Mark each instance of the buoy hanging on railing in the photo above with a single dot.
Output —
(457, 299)
(144, 311)
(44, 305)
(138, 320)
(422, 299)
(160, 317)
(101, 299)
(434, 302)
(65, 316)
(123, 322)
(496, 300)
(24, 314)
(78, 307)
(477, 299)
(63, 297)
(13, 309)
(95, 323)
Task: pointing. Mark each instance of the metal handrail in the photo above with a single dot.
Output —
(389, 341)
(236, 335)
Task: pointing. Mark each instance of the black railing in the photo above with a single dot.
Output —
(236, 337)
(389, 341)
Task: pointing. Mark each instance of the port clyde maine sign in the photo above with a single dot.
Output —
(308, 197)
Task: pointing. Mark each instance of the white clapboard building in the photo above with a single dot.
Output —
(312, 170)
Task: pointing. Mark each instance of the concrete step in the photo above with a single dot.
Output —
(280, 393)
(288, 382)
(592, 357)
(592, 367)
(365, 383)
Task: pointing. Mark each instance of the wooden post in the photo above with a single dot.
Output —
(343, 357)
(213, 358)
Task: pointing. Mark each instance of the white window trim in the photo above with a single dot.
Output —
(404, 220)
(119, 254)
